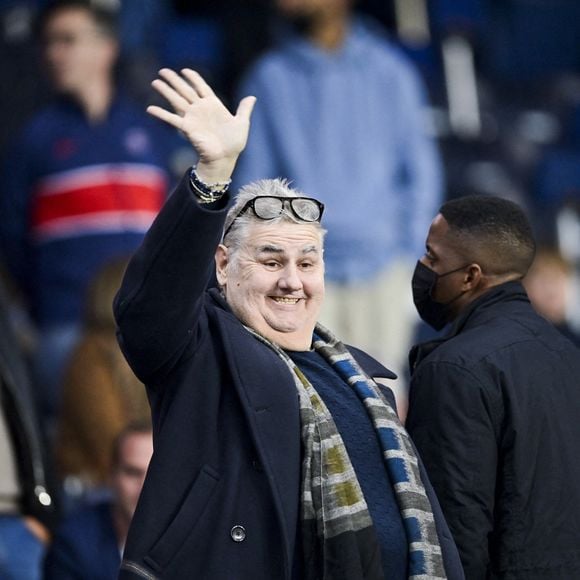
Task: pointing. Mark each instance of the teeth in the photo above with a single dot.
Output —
(286, 300)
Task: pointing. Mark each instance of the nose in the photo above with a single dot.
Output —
(290, 280)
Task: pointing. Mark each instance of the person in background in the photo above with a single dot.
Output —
(342, 111)
(80, 185)
(100, 392)
(28, 509)
(88, 545)
(494, 404)
(549, 284)
(276, 453)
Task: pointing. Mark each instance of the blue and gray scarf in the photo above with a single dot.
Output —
(338, 533)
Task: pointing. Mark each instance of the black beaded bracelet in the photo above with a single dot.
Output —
(207, 192)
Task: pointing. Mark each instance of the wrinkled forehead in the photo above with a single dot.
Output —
(284, 236)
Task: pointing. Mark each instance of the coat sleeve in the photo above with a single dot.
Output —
(158, 306)
(453, 420)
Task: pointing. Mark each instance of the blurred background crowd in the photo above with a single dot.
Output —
(383, 109)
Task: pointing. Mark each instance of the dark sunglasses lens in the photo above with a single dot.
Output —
(306, 209)
(267, 208)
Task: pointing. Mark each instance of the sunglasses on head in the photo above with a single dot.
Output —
(269, 207)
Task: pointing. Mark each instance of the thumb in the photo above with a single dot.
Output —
(246, 107)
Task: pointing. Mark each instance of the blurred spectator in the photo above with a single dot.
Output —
(143, 28)
(27, 509)
(341, 112)
(23, 90)
(88, 544)
(100, 392)
(81, 184)
(549, 284)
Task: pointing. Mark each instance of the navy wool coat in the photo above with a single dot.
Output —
(221, 497)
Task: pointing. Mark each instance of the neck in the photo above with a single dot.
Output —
(121, 524)
(290, 342)
(329, 30)
(489, 282)
(95, 100)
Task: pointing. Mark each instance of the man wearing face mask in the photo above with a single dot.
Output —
(495, 404)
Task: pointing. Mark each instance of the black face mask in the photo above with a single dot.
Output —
(435, 314)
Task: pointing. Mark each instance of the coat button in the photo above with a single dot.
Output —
(238, 533)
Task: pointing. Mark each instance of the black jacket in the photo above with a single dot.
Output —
(495, 413)
(26, 438)
(221, 498)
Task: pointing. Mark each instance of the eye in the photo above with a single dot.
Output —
(430, 258)
(272, 264)
(306, 265)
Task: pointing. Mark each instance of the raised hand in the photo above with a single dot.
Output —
(217, 135)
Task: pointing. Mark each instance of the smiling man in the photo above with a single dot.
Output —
(277, 456)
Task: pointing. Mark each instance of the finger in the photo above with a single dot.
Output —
(182, 87)
(197, 82)
(161, 113)
(246, 107)
(178, 103)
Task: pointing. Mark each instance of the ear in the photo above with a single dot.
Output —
(473, 278)
(221, 263)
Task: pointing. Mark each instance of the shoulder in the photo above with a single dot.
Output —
(494, 344)
(84, 541)
(42, 125)
(372, 38)
(88, 521)
(370, 364)
(267, 69)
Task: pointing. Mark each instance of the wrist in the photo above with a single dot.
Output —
(217, 171)
(207, 192)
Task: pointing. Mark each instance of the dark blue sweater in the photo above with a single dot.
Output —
(359, 436)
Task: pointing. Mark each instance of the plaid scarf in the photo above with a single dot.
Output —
(338, 535)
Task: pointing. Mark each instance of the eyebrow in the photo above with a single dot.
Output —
(271, 249)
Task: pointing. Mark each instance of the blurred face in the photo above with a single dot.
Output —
(548, 288)
(129, 474)
(274, 282)
(309, 8)
(76, 51)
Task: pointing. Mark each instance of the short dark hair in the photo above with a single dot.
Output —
(105, 17)
(493, 230)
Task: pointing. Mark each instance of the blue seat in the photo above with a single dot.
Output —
(532, 39)
(193, 42)
(558, 178)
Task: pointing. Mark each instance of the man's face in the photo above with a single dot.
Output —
(548, 287)
(274, 283)
(128, 475)
(441, 256)
(309, 8)
(76, 51)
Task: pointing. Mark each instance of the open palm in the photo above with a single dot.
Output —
(199, 114)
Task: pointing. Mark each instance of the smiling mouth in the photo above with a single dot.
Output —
(285, 299)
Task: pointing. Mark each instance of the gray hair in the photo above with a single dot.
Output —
(278, 187)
